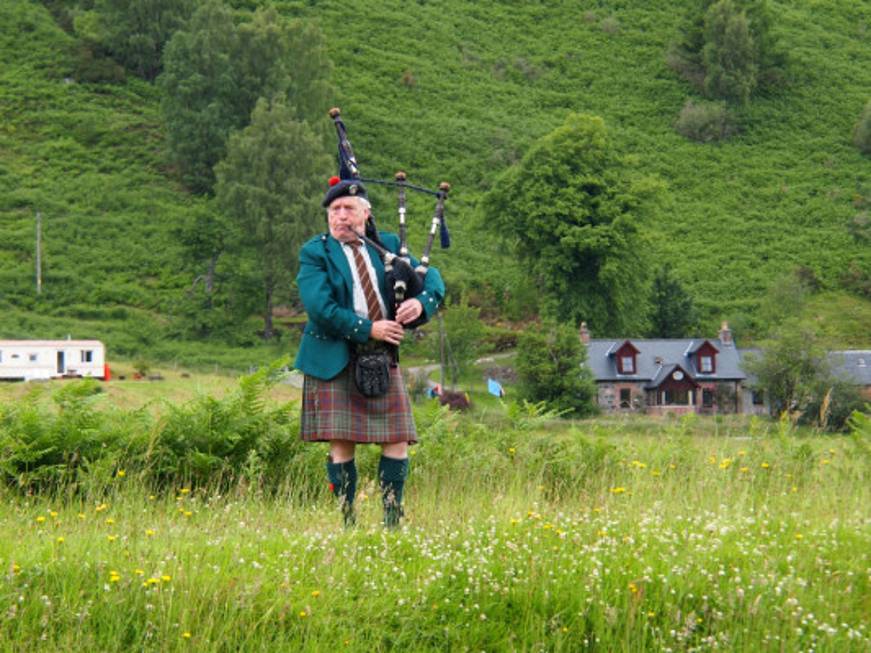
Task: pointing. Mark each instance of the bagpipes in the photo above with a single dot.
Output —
(403, 280)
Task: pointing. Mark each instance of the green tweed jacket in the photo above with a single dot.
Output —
(325, 287)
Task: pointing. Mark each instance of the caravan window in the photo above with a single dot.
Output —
(87, 356)
(32, 358)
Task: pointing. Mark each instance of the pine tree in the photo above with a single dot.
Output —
(673, 314)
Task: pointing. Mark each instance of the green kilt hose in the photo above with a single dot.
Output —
(335, 410)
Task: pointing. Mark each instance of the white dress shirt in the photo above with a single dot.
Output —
(360, 307)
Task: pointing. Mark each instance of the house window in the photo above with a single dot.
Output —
(627, 364)
(1, 356)
(707, 398)
(706, 364)
(625, 398)
(758, 397)
(677, 397)
(32, 357)
(87, 356)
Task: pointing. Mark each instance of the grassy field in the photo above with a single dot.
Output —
(523, 533)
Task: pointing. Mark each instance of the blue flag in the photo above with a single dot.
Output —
(495, 388)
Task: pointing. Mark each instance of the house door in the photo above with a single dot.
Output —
(61, 363)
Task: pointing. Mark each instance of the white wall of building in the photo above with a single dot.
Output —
(47, 359)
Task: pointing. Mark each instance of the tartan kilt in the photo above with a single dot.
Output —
(335, 410)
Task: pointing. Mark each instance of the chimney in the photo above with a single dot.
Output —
(725, 334)
(584, 334)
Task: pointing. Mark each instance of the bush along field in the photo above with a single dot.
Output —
(210, 527)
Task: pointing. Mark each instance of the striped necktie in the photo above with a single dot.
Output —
(366, 282)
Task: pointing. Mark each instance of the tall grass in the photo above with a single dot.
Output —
(525, 534)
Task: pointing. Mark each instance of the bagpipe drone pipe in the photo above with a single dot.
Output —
(404, 281)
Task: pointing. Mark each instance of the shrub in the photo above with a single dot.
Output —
(705, 122)
(550, 368)
(862, 131)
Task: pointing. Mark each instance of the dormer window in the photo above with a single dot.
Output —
(706, 358)
(626, 358)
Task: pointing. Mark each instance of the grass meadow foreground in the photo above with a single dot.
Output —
(523, 534)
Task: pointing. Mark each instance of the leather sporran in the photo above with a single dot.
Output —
(372, 371)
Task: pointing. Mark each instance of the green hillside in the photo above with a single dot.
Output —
(447, 91)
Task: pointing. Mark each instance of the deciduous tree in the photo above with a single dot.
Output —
(215, 71)
(571, 212)
(269, 185)
(136, 31)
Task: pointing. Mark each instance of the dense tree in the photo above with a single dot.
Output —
(673, 314)
(136, 31)
(794, 371)
(550, 368)
(199, 90)
(215, 71)
(728, 56)
(788, 368)
(570, 211)
(269, 185)
(728, 49)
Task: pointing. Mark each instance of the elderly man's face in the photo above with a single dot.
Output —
(346, 217)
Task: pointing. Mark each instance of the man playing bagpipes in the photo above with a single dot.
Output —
(361, 290)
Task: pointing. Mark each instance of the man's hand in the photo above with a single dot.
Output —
(387, 331)
(409, 311)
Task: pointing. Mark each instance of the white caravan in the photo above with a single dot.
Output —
(27, 360)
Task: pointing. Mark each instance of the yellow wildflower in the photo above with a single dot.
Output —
(112, 538)
(53, 514)
(184, 490)
(149, 532)
(316, 593)
(40, 519)
(765, 465)
(121, 473)
(186, 635)
(165, 578)
(60, 540)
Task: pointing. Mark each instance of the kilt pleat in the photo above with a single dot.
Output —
(335, 410)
